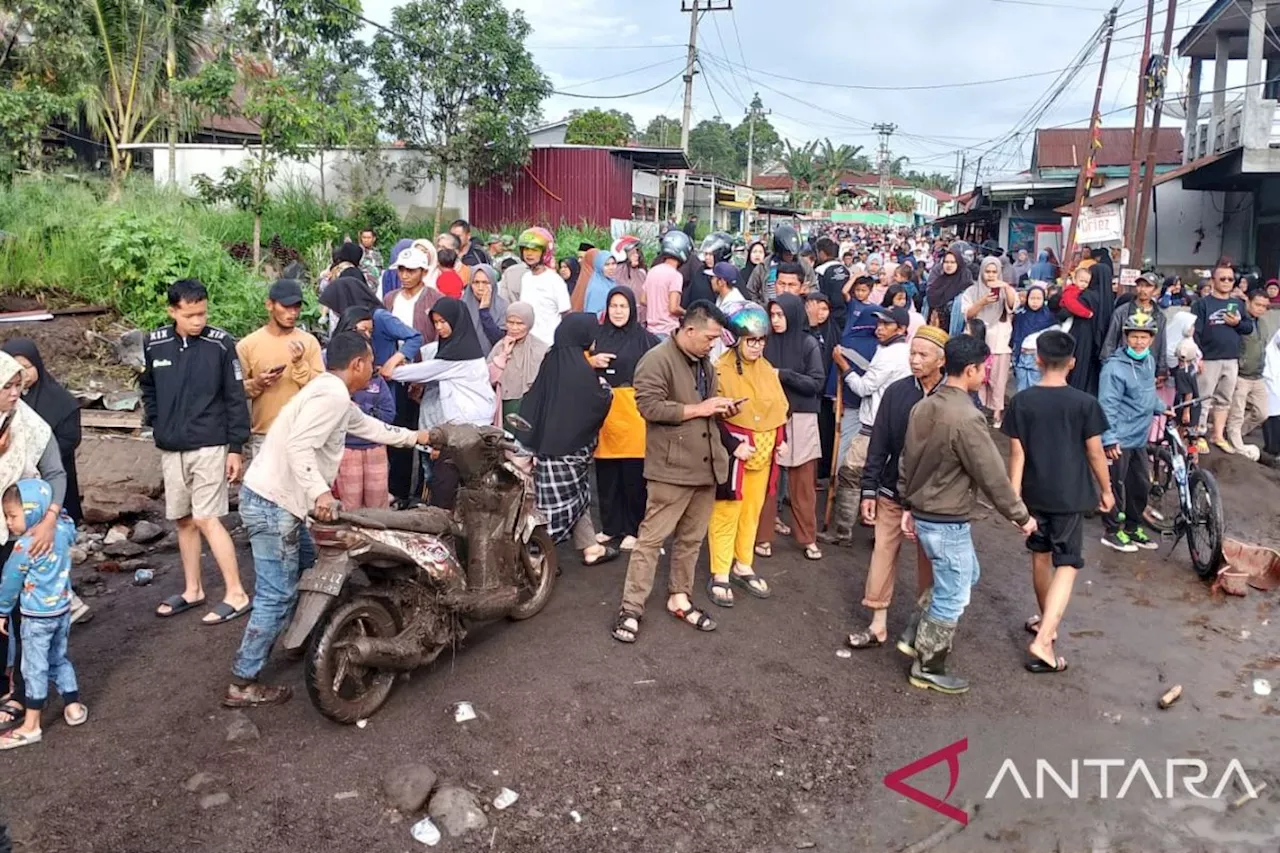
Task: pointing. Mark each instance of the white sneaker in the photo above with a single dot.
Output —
(79, 610)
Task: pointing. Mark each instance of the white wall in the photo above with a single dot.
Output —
(211, 160)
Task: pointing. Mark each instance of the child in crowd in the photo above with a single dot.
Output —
(1127, 392)
(1185, 388)
(41, 586)
(1058, 468)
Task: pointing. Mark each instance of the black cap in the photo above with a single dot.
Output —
(896, 314)
(286, 292)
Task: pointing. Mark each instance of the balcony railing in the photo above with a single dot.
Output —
(1252, 124)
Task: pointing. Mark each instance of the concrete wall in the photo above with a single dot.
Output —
(211, 160)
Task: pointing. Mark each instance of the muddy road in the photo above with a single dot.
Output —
(757, 738)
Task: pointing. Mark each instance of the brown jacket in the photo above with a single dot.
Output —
(421, 311)
(676, 451)
(948, 454)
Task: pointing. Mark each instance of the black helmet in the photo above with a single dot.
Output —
(675, 244)
(786, 239)
(990, 248)
(719, 244)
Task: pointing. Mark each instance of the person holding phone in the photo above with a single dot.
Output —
(754, 437)
(993, 301)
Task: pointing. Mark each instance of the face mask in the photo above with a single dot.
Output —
(1139, 356)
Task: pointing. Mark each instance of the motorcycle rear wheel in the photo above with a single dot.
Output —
(539, 558)
(341, 690)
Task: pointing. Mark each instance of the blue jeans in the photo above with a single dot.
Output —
(44, 657)
(955, 567)
(1025, 371)
(282, 547)
(849, 427)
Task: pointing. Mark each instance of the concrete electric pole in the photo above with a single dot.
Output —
(885, 131)
(695, 8)
(753, 112)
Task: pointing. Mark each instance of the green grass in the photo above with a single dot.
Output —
(66, 242)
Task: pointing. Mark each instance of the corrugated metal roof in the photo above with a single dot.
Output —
(1067, 148)
(560, 185)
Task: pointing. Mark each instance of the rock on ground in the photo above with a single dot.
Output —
(408, 786)
(117, 533)
(118, 476)
(211, 801)
(457, 810)
(123, 549)
(199, 780)
(241, 729)
(145, 531)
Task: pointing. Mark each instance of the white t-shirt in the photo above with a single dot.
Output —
(403, 307)
(547, 294)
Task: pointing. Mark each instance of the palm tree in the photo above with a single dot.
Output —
(895, 166)
(833, 162)
(142, 46)
(801, 166)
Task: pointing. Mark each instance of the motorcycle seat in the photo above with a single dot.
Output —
(430, 519)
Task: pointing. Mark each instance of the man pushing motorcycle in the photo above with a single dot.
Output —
(290, 477)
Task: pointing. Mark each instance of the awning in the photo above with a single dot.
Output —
(981, 214)
(770, 210)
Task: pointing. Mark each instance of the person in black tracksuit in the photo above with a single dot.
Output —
(193, 394)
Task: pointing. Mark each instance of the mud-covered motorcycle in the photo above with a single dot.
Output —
(391, 590)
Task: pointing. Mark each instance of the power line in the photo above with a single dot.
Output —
(670, 79)
(1051, 5)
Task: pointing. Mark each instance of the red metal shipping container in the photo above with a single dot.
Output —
(559, 186)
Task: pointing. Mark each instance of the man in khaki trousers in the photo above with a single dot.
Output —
(676, 391)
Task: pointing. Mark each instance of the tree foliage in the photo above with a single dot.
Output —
(461, 86)
(767, 144)
(800, 163)
(711, 148)
(831, 163)
(600, 127)
(661, 132)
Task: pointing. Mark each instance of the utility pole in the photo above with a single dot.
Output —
(885, 131)
(752, 112)
(695, 8)
(1131, 197)
(1155, 77)
(964, 163)
(1095, 124)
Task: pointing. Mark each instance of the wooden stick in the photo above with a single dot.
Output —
(834, 479)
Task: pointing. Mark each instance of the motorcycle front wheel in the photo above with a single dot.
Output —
(339, 688)
(540, 566)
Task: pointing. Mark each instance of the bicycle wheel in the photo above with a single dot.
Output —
(1162, 501)
(1205, 524)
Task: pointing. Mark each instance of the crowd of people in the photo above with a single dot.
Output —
(701, 398)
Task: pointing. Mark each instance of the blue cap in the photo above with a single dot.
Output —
(724, 270)
(897, 315)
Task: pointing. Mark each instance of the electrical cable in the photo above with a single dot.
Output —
(629, 72)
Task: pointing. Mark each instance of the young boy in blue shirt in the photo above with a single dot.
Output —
(41, 587)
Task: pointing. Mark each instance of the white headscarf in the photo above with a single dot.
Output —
(28, 435)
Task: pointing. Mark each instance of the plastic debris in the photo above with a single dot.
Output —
(360, 724)
(505, 798)
(1262, 687)
(426, 832)
(843, 653)
(575, 817)
(1171, 696)
(1250, 795)
(346, 795)
(143, 577)
(463, 711)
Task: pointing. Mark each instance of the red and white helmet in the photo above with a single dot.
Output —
(623, 245)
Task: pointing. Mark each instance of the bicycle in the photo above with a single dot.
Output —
(1197, 515)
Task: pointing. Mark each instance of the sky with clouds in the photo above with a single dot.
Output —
(809, 60)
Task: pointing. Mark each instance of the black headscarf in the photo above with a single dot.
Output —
(628, 342)
(575, 270)
(567, 404)
(826, 334)
(349, 252)
(943, 288)
(346, 291)
(463, 343)
(50, 400)
(1100, 283)
(749, 267)
(354, 314)
(786, 351)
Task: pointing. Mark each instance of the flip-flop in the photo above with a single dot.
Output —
(14, 710)
(780, 528)
(1039, 667)
(746, 582)
(225, 613)
(13, 740)
(177, 604)
(1032, 625)
(764, 549)
(812, 552)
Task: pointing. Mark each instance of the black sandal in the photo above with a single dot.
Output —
(14, 710)
(701, 621)
(752, 583)
(721, 593)
(1032, 625)
(1039, 667)
(865, 640)
(620, 627)
(610, 554)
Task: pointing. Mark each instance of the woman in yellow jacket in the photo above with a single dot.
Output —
(754, 437)
(620, 344)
